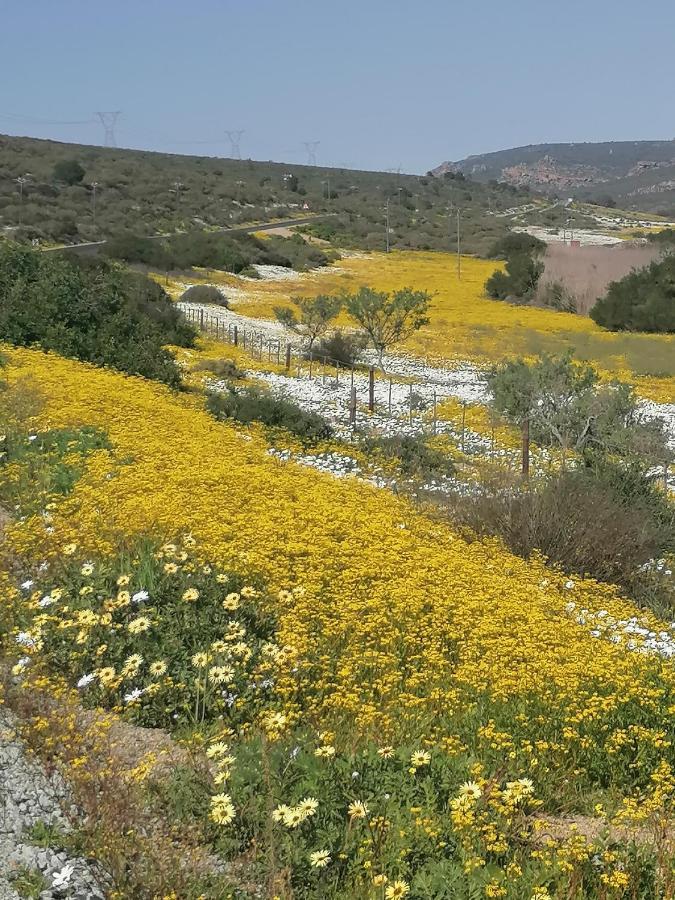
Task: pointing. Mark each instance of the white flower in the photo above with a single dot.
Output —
(27, 585)
(62, 878)
(25, 639)
(46, 601)
(85, 680)
(133, 695)
(569, 585)
(140, 597)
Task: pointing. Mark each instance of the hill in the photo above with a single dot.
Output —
(630, 174)
(73, 193)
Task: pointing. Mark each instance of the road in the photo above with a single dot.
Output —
(93, 247)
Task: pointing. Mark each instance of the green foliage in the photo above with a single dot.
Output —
(412, 454)
(519, 281)
(568, 407)
(642, 301)
(388, 318)
(167, 613)
(93, 311)
(215, 250)
(204, 293)
(343, 347)
(134, 193)
(69, 171)
(251, 404)
(311, 317)
(515, 243)
(28, 883)
(44, 465)
(555, 295)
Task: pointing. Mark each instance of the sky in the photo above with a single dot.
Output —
(380, 85)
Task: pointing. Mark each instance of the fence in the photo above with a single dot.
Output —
(364, 384)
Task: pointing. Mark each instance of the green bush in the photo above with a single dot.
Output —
(205, 293)
(343, 347)
(254, 405)
(642, 301)
(412, 454)
(91, 310)
(223, 368)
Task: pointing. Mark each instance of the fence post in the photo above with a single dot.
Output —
(463, 422)
(310, 365)
(352, 407)
(288, 357)
(525, 468)
(236, 336)
(337, 374)
(201, 319)
(352, 374)
(323, 377)
(390, 382)
(262, 339)
(278, 353)
(243, 339)
(435, 420)
(410, 401)
(371, 389)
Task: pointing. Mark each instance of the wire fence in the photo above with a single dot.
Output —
(363, 396)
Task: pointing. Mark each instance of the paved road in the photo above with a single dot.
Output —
(93, 247)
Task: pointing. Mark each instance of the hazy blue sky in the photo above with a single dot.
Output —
(379, 84)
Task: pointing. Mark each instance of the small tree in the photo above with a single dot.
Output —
(388, 318)
(311, 317)
(69, 171)
(562, 402)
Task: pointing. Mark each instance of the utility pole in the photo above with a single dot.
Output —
(326, 182)
(387, 223)
(94, 185)
(21, 180)
(176, 189)
(459, 257)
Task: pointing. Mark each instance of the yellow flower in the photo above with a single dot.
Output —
(231, 602)
(123, 598)
(200, 660)
(157, 668)
(222, 809)
(357, 810)
(69, 549)
(325, 752)
(87, 569)
(471, 790)
(420, 758)
(123, 580)
(139, 625)
(248, 592)
(190, 595)
(379, 880)
(396, 890)
(170, 568)
(221, 578)
(319, 859)
(221, 674)
(386, 752)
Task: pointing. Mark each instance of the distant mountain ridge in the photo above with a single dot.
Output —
(633, 174)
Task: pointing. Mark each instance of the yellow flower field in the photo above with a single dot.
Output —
(466, 325)
(400, 618)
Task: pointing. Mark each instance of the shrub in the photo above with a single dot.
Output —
(91, 310)
(254, 405)
(412, 455)
(642, 301)
(205, 293)
(69, 171)
(606, 522)
(223, 368)
(343, 347)
(555, 295)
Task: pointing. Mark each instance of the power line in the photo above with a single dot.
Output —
(108, 120)
(31, 120)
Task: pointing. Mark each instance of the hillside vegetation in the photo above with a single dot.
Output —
(148, 193)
